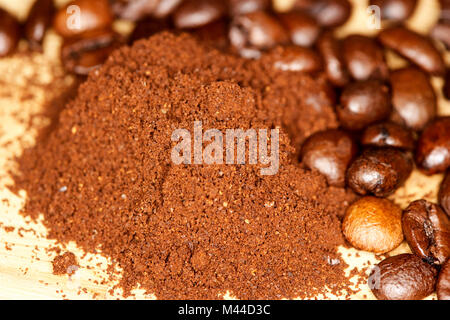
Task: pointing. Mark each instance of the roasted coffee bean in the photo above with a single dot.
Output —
(84, 53)
(133, 10)
(413, 98)
(331, 13)
(363, 103)
(302, 28)
(9, 33)
(293, 58)
(39, 20)
(446, 88)
(373, 224)
(379, 171)
(443, 283)
(427, 229)
(403, 277)
(165, 7)
(82, 15)
(433, 147)
(214, 34)
(444, 194)
(364, 58)
(414, 47)
(441, 32)
(388, 134)
(330, 153)
(238, 7)
(254, 31)
(396, 10)
(196, 13)
(330, 50)
(445, 9)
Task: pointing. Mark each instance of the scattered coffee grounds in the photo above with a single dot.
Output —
(65, 264)
(104, 178)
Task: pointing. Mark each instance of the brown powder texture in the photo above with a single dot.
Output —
(65, 264)
(104, 178)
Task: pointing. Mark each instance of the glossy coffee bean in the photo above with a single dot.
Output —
(133, 10)
(444, 194)
(446, 88)
(363, 103)
(443, 283)
(373, 224)
(413, 98)
(256, 31)
(293, 58)
(388, 134)
(396, 10)
(84, 53)
(414, 47)
(379, 171)
(403, 277)
(330, 50)
(433, 147)
(82, 15)
(364, 58)
(331, 13)
(441, 32)
(9, 33)
(238, 7)
(38, 21)
(165, 7)
(301, 27)
(427, 229)
(330, 153)
(196, 13)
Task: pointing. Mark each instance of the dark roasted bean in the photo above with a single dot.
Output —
(330, 50)
(388, 134)
(293, 58)
(133, 10)
(82, 15)
(444, 194)
(446, 88)
(39, 20)
(379, 171)
(9, 33)
(396, 10)
(443, 283)
(364, 58)
(302, 28)
(363, 103)
(433, 147)
(427, 229)
(331, 13)
(330, 153)
(441, 32)
(165, 8)
(414, 47)
(413, 98)
(445, 9)
(148, 27)
(403, 277)
(238, 7)
(197, 13)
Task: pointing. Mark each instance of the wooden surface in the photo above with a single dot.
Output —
(25, 259)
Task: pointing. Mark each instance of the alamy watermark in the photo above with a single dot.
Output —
(227, 147)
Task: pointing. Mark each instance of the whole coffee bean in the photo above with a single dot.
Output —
(197, 13)
(330, 153)
(82, 15)
(133, 10)
(330, 50)
(413, 98)
(443, 283)
(388, 134)
(238, 7)
(363, 103)
(402, 277)
(84, 53)
(331, 13)
(441, 32)
(9, 33)
(396, 10)
(373, 224)
(444, 194)
(433, 147)
(414, 47)
(379, 171)
(254, 31)
(165, 7)
(293, 58)
(427, 229)
(364, 58)
(446, 88)
(38, 21)
(302, 28)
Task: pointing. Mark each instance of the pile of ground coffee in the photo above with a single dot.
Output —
(65, 263)
(104, 178)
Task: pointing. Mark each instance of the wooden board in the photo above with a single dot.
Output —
(25, 262)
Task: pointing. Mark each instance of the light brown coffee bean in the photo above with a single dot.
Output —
(396, 10)
(301, 27)
(433, 147)
(388, 134)
(379, 171)
(364, 58)
(293, 58)
(443, 283)
(402, 277)
(427, 229)
(9, 33)
(444, 193)
(373, 224)
(197, 13)
(413, 98)
(38, 21)
(238, 7)
(414, 47)
(363, 103)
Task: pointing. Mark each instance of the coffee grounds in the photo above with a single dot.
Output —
(65, 264)
(104, 178)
